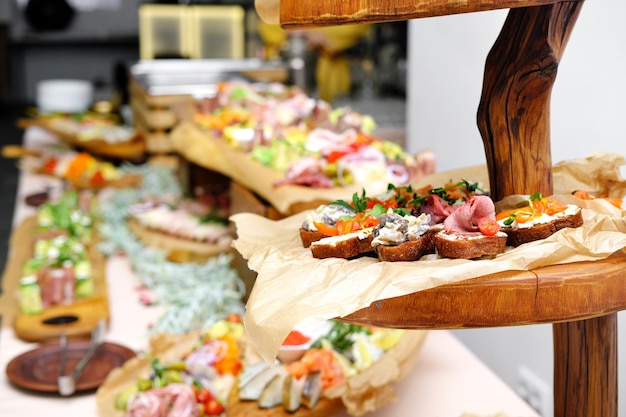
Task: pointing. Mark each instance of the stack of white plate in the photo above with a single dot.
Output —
(64, 96)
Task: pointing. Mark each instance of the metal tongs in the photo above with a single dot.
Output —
(67, 383)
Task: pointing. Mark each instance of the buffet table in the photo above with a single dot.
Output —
(447, 379)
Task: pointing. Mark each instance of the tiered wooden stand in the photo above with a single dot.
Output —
(580, 299)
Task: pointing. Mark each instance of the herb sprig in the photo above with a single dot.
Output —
(442, 192)
(340, 336)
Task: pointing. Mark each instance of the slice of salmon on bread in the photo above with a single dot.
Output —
(344, 246)
(538, 219)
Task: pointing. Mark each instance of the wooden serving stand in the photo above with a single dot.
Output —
(580, 299)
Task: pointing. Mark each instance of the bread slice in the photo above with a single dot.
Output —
(468, 246)
(344, 246)
(407, 251)
(309, 236)
(520, 235)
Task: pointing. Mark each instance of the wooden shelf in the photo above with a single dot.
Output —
(298, 14)
(551, 294)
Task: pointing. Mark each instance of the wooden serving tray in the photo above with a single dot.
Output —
(132, 149)
(169, 347)
(32, 328)
(178, 249)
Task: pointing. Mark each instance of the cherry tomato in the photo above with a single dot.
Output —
(204, 395)
(213, 407)
(97, 178)
(488, 227)
(234, 318)
(50, 165)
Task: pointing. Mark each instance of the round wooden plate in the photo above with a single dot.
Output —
(38, 369)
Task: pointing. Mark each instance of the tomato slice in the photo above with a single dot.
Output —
(488, 226)
(335, 155)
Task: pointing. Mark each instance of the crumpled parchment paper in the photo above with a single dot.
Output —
(292, 285)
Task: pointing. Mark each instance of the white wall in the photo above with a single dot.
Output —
(446, 61)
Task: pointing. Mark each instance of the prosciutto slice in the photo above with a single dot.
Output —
(465, 219)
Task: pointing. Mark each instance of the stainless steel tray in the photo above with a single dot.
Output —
(198, 77)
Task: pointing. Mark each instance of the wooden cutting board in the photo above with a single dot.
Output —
(32, 328)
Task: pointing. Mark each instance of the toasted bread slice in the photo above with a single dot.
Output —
(520, 235)
(309, 236)
(407, 251)
(344, 246)
(469, 246)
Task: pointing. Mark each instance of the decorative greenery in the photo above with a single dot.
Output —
(195, 295)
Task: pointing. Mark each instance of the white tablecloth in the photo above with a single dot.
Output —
(447, 380)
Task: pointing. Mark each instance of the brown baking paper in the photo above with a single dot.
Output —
(358, 394)
(292, 285)
(202, 148)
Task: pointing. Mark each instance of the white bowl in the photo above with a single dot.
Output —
(291, 353)
(64, 96)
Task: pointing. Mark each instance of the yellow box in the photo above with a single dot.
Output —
(217, 32)
(197, 32)
(164, 32)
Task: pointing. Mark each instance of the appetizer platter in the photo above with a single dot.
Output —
(188, 229)
(55, 271)
(289, 148)
(324, 367)
(454, 221)
(349, 283)
(80, 170)
(92, 132)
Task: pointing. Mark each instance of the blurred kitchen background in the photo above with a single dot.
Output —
(91, 39)
(430, 69)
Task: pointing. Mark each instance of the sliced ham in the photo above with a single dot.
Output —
(173, 400)
(306, 171)
(437, 208)
(465, 219)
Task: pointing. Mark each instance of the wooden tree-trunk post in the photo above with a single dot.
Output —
(514, 110)
(514, 121)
